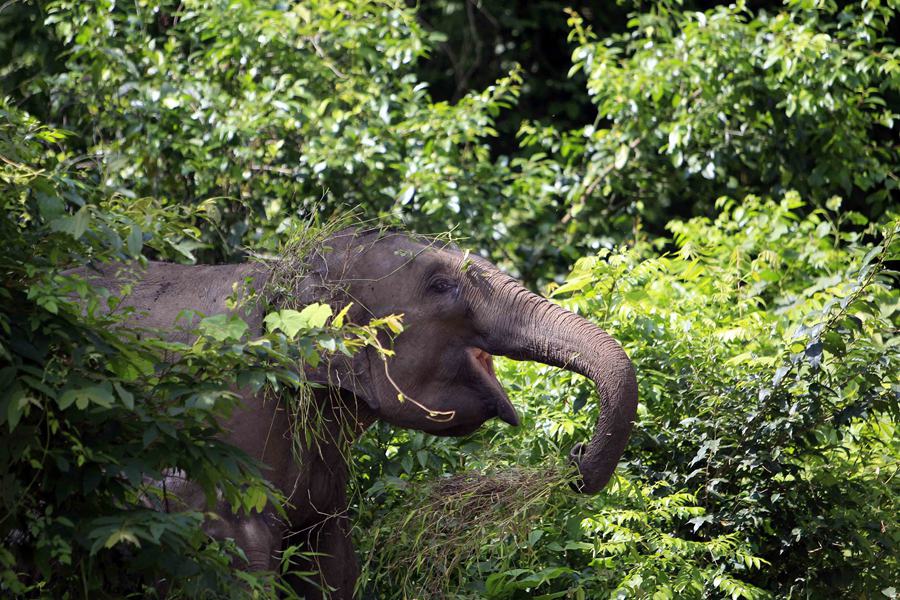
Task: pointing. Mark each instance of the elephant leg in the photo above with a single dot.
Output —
(338, 566)
(333, 562)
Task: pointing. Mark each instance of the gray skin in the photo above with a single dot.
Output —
(457, 310)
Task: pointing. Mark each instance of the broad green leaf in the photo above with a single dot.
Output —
(121, 535)
(83, 397)
(223, 327)
(126, 396)
(75, 225)
(15, 402)
(316, 315)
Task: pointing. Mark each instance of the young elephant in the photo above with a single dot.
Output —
(458, 311)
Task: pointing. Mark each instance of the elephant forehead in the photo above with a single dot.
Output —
(398, 257)
(400, 252)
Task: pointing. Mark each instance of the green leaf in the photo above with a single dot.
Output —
(135, 241)
(575, 284)
(291, 322)
(338, 320)
(100, 395)
(50, 206)
(393, 322)
(223, 327)
(622, 156)
(126, 396)
(316, 315)
(534, 536)
(121, 535)
(871, 254)
(75, 225)
(15, 403)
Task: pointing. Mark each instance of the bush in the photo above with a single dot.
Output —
(97, 412)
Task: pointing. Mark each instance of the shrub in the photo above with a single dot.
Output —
(95, 411)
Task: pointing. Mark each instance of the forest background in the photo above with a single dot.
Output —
(715, 185)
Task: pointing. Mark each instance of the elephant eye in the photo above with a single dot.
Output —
(441, 286)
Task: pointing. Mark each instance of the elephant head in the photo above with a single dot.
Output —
(458, 311)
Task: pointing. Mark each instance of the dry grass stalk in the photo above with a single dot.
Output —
(459, 522)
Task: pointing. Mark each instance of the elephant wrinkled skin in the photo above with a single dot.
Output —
(458, 311)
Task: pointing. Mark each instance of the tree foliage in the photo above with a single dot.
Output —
(715, 188)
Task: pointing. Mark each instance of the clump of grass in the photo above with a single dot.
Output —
(457, 526)
(300, 244)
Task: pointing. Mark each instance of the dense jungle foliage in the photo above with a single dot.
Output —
(714, 186)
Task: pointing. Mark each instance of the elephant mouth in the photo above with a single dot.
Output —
(484, 365)
(485, 361)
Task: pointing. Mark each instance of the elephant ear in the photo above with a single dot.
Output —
(348, 374)
(351, 374)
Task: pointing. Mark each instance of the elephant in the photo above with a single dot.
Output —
(458, 311)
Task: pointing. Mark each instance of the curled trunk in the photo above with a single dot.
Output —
(529, 327)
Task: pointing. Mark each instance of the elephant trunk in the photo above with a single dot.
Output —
(529, 327)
